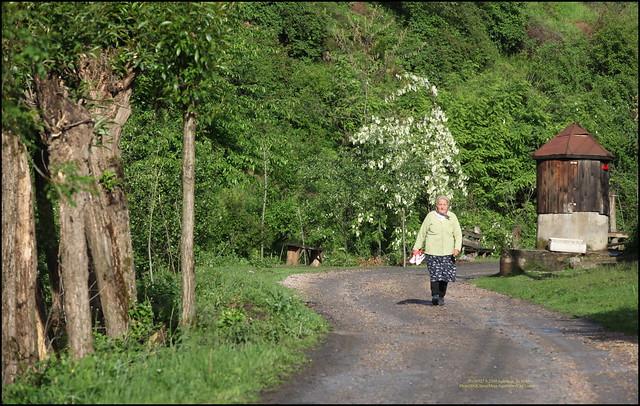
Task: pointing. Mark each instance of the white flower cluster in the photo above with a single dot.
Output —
(415, 83)
(396, 237)
(417, 155)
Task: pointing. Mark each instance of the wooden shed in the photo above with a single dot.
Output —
(573, 189)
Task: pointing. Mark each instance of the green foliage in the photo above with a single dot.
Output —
(276, 108)
(141, 321)
(109, 180)
(160, 294)
(301, 28)
(506, 25)
(498, 121)
(304, 29)
(152, 159)
(286, 119)
(448, 40)
(250, 333)
(235, 224)
(189, 41)
(275, 117)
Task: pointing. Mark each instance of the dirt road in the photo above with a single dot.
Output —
(390, 345)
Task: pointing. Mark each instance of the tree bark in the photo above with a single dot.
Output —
(186, 250)
(23, 341)
(107, 214)
(264, 202)
(46, 239)
(68, 136)
(404, 241)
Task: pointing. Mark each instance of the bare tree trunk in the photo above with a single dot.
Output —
(379, 239)
(107, 215)
(46, 239)
(304, 250)
(23, 341)
(186, 251)
(264, 204)
(404, 242)
(69, 129)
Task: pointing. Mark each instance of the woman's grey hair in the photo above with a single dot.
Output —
(442, 197)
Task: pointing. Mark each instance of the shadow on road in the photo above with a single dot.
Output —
(415, 301)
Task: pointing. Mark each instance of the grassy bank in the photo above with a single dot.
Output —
(250, 333)
(606, 294)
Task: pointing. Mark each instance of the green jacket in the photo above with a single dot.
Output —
(439, 237)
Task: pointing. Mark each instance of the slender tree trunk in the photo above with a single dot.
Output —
(69, 130)
(264, 205)
(379, 239)
(23, 341)
(186, 250)
(152, 206)
(404, 241)
(107, 215)
(304, 250)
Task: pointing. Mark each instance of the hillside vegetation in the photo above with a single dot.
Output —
(328, 124)
(304, 77)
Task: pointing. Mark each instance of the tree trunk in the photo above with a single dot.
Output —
(264, 203)
(47, 241)
(404, 241)
(23, 341)
(69, 129)
(107, 215)
(186, 250)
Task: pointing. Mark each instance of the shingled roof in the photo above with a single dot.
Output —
(572, 142)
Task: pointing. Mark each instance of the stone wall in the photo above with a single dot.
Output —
(591, 227)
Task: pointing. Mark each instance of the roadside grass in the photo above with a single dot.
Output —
(606, 294)
(250, 333)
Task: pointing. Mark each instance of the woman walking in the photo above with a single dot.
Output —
(441, 238)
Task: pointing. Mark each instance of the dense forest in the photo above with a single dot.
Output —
(140, 139)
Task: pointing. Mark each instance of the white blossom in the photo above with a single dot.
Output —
(419, 154)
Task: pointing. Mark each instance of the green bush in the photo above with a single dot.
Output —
(506, 24)
(448, 38)
(159, 294)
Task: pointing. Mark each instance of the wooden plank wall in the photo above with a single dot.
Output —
(568, 186)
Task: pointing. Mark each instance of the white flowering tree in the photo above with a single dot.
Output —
(407, 153)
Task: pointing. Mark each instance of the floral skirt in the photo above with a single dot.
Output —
(441, 268)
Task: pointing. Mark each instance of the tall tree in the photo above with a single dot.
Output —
(76, 77)
(68, 138)
(107, 214)
(23, 340)
(407, 157)
(189, 47)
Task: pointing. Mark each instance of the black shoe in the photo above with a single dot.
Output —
(435, 300)
(440, 301)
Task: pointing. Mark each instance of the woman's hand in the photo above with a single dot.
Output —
(455, 252)
(416, 252)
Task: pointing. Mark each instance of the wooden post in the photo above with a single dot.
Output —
(612, 213)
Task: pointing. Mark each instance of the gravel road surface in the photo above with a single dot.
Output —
(388, 344)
